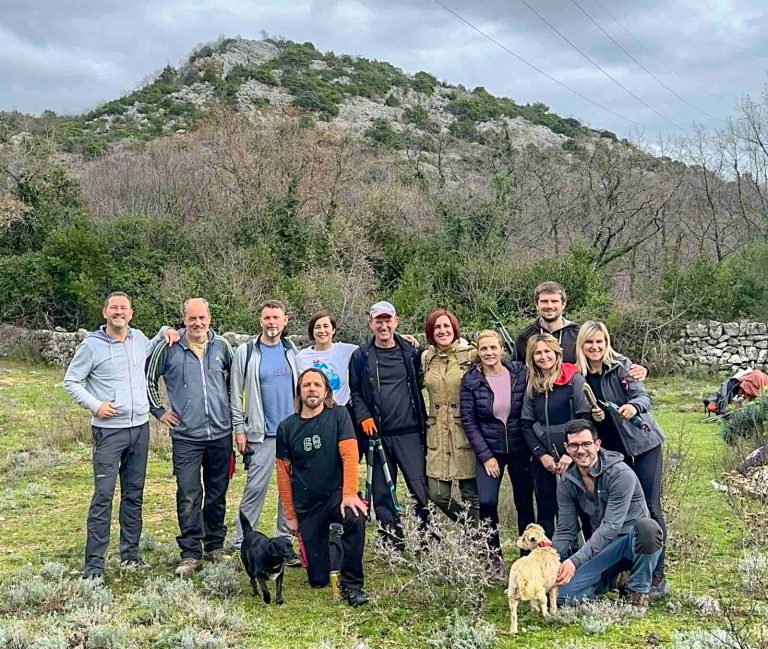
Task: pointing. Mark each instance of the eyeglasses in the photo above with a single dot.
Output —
(574, 446)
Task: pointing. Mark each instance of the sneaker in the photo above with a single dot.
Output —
(187, 566)
(659, 587)
(218, 555)
(641, 600)
(354, 596)
(135, 564)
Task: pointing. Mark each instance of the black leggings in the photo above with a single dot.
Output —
(545, 484)
(648, 467)
(518, 467)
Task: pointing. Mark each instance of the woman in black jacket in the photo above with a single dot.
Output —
(639, 442)
(553, 397)
(491, 400)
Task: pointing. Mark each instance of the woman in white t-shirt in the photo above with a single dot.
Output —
(325, 355)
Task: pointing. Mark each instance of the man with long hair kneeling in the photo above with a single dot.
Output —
(316, 463)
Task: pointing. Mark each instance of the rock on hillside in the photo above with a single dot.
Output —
(370, 99)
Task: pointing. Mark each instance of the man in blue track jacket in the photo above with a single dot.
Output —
(196, 376)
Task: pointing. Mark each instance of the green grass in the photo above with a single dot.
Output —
(47, 523)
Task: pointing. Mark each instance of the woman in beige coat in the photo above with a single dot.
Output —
(449, 455)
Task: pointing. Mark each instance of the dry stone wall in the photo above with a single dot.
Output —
(58, 346)
(725, 346)
(718, 346)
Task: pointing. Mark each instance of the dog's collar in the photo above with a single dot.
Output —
(546, 543)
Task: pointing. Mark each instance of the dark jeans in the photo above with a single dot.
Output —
(545, 484)
(518, 467)
(314, 526)
(648, 467)
(123, 452)
(640, 549)
(201, 506)
(441, 492)
(404, 452)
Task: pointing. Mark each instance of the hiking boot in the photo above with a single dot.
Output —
(218, 555)
(659, 587)
(136, 564)
(634, 598)
(354, 596)
(187, 566)
(93, 574)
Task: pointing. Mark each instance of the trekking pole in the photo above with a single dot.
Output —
(373, 444)
(369, 475)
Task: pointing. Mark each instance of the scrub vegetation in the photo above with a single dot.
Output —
(719, 588)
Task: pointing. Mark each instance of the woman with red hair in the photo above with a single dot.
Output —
(449, 455)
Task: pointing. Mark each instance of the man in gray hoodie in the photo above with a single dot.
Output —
(106, 376)
(599, 484)
(263, 386)
(196, 376)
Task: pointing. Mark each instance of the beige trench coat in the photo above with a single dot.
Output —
(449, 455)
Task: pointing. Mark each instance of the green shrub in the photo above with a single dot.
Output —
(221, 579)
(423, 82)
(419, 117)
(392, 100)
(748, 421)
(462, 632)
(464, 129)
(382, 135)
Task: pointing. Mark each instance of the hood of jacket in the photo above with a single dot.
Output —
(566, 373)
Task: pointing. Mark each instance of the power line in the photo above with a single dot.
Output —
(629, 54)
(539, 70)
(648, 49)
(599, 67)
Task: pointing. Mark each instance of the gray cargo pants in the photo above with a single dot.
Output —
(255, 492)
(123, 452)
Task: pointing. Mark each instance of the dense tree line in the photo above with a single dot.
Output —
(239, 212)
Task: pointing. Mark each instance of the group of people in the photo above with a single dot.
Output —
(564, 414)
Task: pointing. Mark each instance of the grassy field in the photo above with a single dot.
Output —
(45, 486)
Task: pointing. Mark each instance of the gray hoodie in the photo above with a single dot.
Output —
(245, 390)
(618, 502)
(105, 369)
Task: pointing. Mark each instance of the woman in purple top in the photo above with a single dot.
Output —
(492, 393)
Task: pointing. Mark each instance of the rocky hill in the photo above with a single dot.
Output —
(368, 98)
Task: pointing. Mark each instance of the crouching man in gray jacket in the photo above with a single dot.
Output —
(599, 484)
(106, 376)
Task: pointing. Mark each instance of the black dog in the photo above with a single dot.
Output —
(264, 558)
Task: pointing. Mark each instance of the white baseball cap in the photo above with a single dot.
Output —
(383, 308)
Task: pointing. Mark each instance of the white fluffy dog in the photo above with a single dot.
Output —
(532, 578)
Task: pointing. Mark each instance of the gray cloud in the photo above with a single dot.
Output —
(69, 56)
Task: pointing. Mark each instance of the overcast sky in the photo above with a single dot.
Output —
(70, 55)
